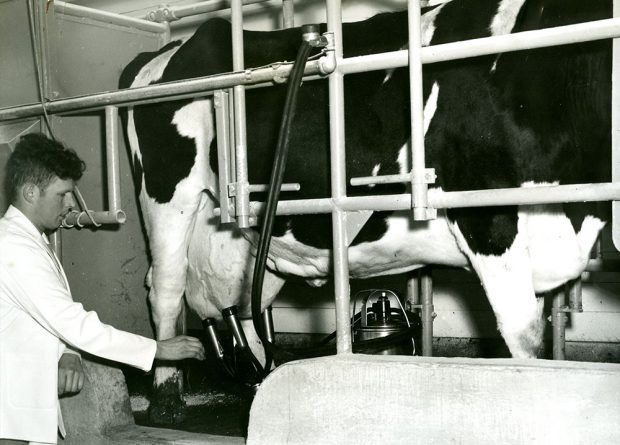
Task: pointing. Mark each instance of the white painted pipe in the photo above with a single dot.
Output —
(288, 14)
(168, 14)
(438, 199)
(419, 187)
(242, 197)
(160, 92)
(112, 164)
(71, 9)
(339, 186)
(561, 35)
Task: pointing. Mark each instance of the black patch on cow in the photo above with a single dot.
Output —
(169, 156)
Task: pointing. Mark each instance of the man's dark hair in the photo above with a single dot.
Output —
(38, 159)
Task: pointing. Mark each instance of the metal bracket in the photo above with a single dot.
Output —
(162, 14)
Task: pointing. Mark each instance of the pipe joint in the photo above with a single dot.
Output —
(328, 63)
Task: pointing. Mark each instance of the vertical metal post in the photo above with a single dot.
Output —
(418, 182)
(558, 320)
(222, 124)
(413, 290)
(242, 195)
(615, 130)
(288, 14)
(112, 164)
(338, 179)
(428, 312)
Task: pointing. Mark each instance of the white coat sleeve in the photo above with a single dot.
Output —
(36, 288)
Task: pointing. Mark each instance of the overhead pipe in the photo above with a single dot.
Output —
(170, 14)
(82, 12)
(114, 214)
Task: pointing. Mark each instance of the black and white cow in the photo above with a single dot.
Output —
(517, 119)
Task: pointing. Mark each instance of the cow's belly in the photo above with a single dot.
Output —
(405, 246)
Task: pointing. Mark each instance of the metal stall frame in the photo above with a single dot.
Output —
(339, 204)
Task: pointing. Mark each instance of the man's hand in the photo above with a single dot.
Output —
(70, 374)
(179, 348)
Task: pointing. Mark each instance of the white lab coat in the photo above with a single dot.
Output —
(38, 319)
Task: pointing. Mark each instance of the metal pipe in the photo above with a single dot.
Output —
(573, 291)
(428, 312)
(82, 219)
(112, 163)
(288, 14)
(561, 35)
(443, 200)
(242, 196)
(169, 14)
(203, 86)
(339, 187)
(419, 187)
(615, 130)
(558, 320)
(108, 17)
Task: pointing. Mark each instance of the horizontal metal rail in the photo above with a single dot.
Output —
(158, 93)
(439, 199)
(171, 13)
(560, 35)
(82, 12)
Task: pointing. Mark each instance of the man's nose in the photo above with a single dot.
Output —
(69, 201)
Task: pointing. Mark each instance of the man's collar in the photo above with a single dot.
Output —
(18, 217)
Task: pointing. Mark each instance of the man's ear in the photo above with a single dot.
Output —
(30, 192)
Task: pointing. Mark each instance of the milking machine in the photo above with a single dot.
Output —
(379, 327)
(380, 319)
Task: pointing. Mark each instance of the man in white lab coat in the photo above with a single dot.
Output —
(41, 327)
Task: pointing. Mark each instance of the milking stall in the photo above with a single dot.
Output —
(381, 308)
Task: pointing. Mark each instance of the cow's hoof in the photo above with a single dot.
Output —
(166, 407)
(166, 412)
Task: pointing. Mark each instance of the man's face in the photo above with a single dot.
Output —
(53, 204)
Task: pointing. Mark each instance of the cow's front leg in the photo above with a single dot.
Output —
(507, 281)
(166, 404)
(169, 229)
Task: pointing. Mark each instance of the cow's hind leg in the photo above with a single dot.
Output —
(507, 280)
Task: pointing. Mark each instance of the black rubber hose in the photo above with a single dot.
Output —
(277, 175)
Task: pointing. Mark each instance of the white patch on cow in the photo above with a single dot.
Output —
(430, 107)
(556, 252)
(374, 172)
(149, 73)
(506, 16)
(427, 31)
(436, 2)
(428, 24)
